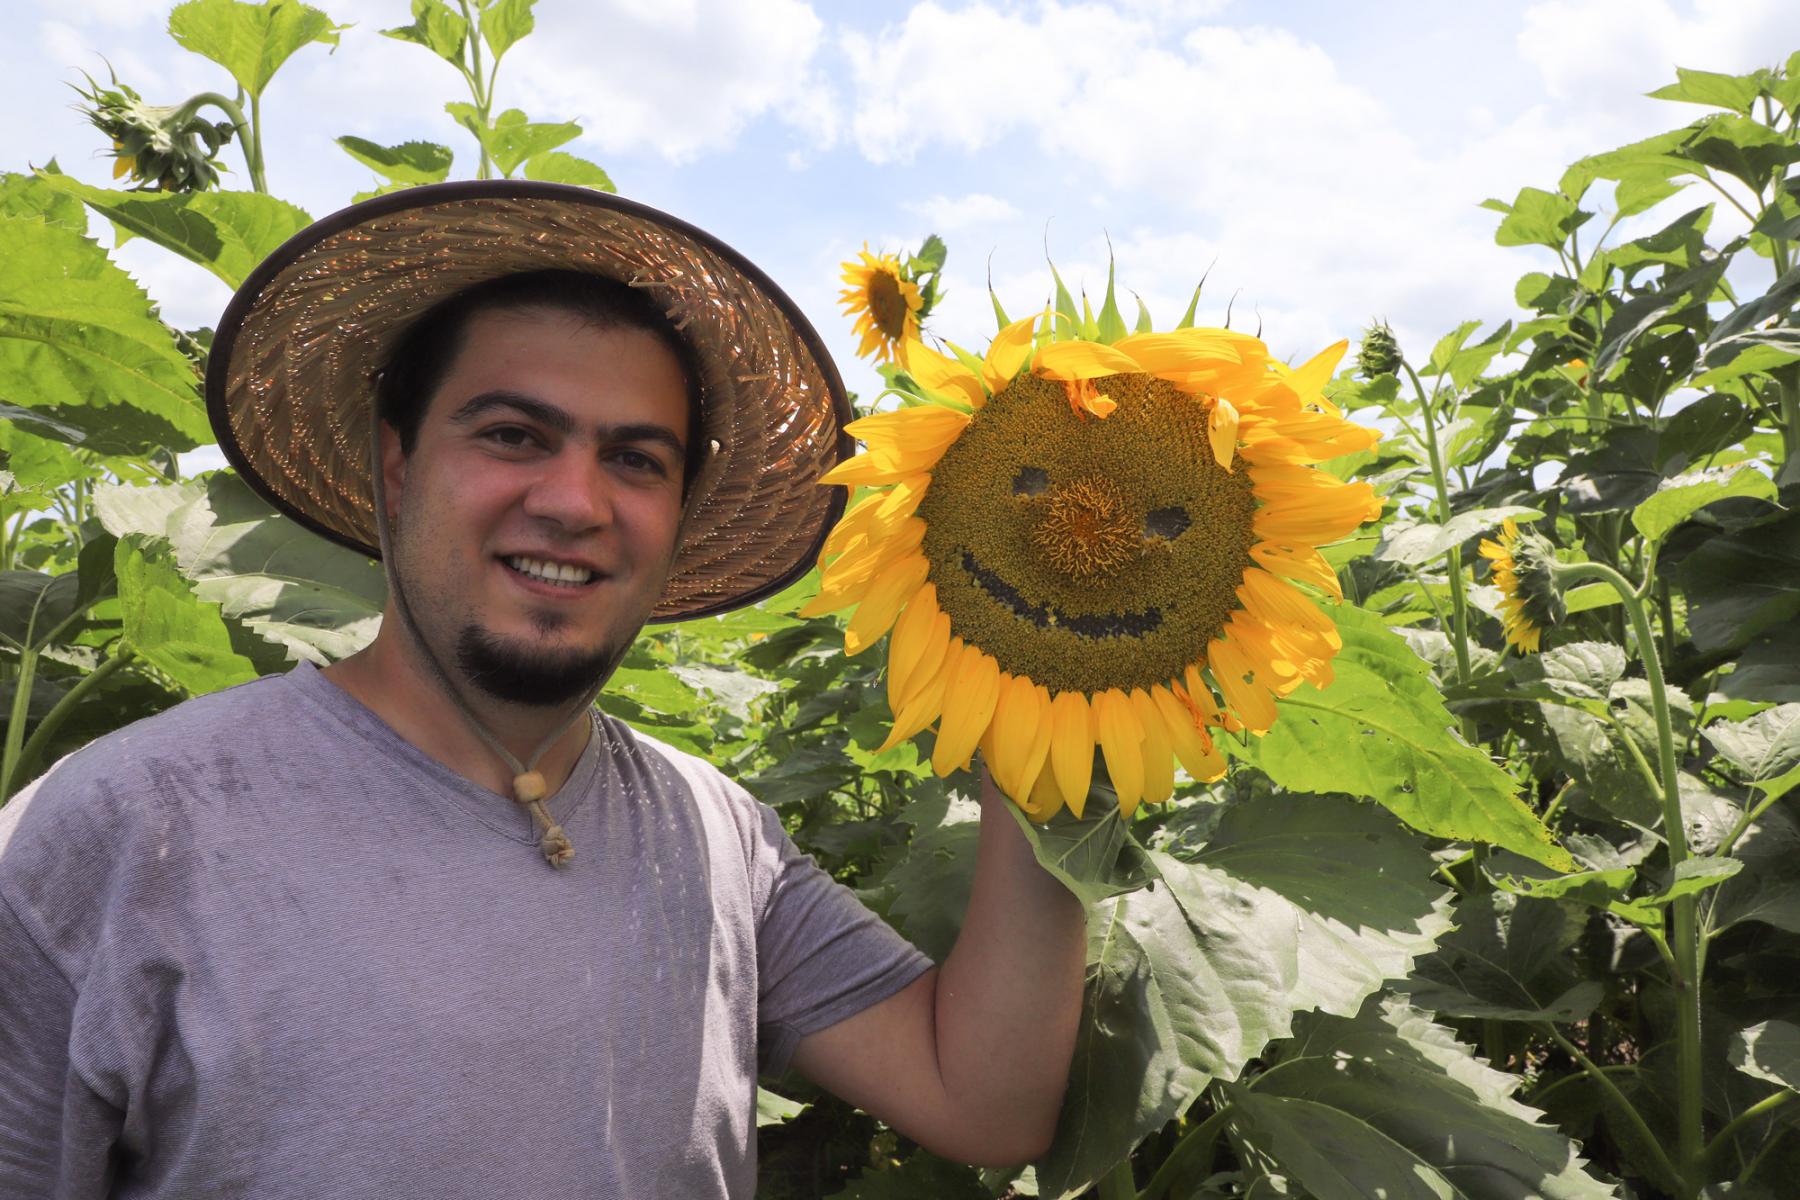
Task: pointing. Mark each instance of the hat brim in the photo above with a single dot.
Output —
(290, 379)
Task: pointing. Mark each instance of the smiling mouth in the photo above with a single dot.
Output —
(566, 575)
(1087, 625)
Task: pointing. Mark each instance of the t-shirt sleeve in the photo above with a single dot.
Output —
(822, 956)
(56, 1135)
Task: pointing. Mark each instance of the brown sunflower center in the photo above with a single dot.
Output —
(1086, 529)
(887, 306)
(1088, 553)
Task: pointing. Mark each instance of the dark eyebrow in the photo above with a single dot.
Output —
(544, 414)
(556, 419)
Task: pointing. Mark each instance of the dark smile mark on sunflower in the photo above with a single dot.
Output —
(1097, 625)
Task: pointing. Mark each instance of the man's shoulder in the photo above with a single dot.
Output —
(99, 785)
(654, 766)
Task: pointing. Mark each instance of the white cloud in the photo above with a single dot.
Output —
(675, 79)
(954, 214)
(1601, 50)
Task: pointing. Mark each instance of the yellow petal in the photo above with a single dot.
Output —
(925, 704)
(1302, 563)
(1122, 740)
(886, 596)
(1044, 800)
(941, 374)
(879, 467)
(1072, 748)
(1245, 692)
(1310, 378)
(1159, 756)
(1181, 351)
(845, 580)
(916, 646)
(919, 427)
(852, 526)
(1222, 431)
(1016, 718)
(1082, 360)
(969, 700)
(1187, 737)
(1037, 757)
(1279, 605)
(1007, 353)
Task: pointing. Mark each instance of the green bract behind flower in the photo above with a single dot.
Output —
(1380, 352)
(166, 147)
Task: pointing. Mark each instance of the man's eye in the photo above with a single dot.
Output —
(510, 436)
(637, 460)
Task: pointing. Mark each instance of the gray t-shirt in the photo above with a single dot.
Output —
(261, 946)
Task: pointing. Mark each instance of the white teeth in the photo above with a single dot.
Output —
(549, 572)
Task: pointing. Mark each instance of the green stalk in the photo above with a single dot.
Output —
(1627, 1109)
(257, 181)
(1459, 605)
(246, 131)
(1195, 1146)
(1761, 1108)
(53, 720)
(15, 726)
(1686, 942)
(482, 95)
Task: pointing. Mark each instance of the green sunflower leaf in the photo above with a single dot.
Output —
(504, 23)
(1508, 958)
(1380, 730)
(1390, 1104)
(1682, 497)
(316, 600)
(228, 233)
(554, 166)
(175, 631)
(1765, 747)
(1296, 902)
(1769, 1051)
(250, 40)
(408, 162)
(81, 346)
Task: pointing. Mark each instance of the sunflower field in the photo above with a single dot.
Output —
(1420, 724)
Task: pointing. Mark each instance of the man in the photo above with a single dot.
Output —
(423, 923)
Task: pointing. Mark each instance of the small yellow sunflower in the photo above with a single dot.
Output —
(1523, 571)
(884, 302)
(1096, 545)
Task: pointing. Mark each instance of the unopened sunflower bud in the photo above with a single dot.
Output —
(170, 148)
(1380, 352)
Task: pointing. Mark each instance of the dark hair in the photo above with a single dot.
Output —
(416, 366)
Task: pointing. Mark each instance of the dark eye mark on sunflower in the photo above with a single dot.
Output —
(1030, 481)
(1167, 523)
(1097, 625)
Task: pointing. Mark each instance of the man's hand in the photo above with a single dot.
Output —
(972, 1058)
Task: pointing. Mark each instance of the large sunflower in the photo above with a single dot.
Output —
(1088, 544)
(884, 302)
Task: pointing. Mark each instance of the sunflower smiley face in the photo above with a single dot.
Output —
(1078, 550)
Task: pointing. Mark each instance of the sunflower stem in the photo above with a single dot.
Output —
(1685, 947)
(1459, 604)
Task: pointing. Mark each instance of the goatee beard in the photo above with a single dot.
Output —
(518, 674)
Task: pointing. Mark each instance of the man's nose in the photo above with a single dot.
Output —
(572, 490)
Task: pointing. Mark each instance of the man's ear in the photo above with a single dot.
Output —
(393, 468)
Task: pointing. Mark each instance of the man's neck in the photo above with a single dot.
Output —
(390, 680)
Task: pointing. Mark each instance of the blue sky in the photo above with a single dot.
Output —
(1329, 158)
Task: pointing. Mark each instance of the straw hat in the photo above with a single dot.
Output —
(290, 390)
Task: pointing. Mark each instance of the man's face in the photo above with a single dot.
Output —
(535, 521)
